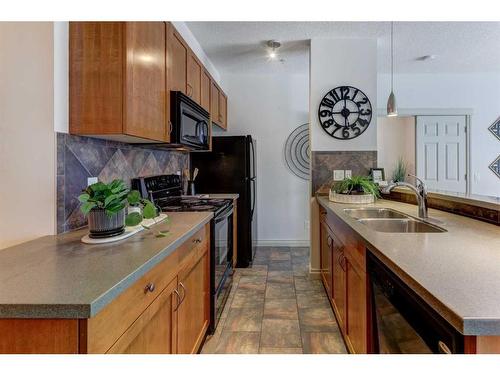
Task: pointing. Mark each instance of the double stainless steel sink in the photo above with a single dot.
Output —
(391, 221)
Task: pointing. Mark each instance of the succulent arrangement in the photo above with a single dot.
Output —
(356, 185)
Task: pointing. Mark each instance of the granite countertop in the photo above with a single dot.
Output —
(60, 277)
(457, 272)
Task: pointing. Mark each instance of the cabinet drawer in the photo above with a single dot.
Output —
(105, 328)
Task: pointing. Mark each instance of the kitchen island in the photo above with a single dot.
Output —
(58, 295)
(455, 272)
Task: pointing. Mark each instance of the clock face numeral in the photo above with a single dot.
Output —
(345, 112)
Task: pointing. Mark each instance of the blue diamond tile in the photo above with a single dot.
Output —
(495, 166)
(495, 128)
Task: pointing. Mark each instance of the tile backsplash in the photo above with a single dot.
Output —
(81, 157)
(324, 162)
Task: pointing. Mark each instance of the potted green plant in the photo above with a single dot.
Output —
(105, 206)
(356, 189)
(399, 173)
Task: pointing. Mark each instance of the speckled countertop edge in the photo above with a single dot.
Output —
(88, 310)
(467, 325)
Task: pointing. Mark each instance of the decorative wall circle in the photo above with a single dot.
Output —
(298, 152)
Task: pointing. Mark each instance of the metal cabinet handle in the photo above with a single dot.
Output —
(149, 288)
(189, 90)
(443, 348)
(179, 300)
(197, 240)
(170, 126)
(184, 291)
(329, 240)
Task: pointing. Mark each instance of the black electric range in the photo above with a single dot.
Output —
(165, 191)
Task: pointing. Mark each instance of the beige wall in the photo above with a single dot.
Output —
(395, 138)
(27, 138)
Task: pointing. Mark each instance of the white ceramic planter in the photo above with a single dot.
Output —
(351, 199)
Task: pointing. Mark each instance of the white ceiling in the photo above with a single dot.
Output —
(460, 47)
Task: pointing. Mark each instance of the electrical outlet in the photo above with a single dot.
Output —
(338, 174)
(91, 180)
(348, 173)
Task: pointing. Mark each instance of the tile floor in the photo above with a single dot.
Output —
(276, 307)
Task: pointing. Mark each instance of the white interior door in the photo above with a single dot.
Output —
(440, 149)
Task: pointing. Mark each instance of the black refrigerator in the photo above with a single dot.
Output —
(230, 168)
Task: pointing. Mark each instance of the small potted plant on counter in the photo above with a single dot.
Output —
(105, 206)
(356, 189)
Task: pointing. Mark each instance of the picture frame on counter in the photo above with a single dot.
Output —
(377, 174)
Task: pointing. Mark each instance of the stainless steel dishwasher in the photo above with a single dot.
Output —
(402, 322)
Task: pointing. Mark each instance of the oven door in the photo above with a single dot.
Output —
(223, 245)
(221, 271)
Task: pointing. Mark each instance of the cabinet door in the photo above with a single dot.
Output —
(177, 60)
(222, 110)
(193, 312)
(145, 82)
(194, 69)
(339, 281)
(214, 102)
(326, 259)
(205, 90)
(154, 332)
(356, 308)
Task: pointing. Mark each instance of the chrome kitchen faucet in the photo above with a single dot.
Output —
(420, 191)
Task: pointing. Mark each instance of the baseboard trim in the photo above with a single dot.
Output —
(282, 243)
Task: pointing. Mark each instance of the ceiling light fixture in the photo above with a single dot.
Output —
(274, 45)
(392, 109)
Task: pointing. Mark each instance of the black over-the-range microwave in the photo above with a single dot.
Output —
(190, 123)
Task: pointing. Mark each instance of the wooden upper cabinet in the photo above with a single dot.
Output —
(155, 331)
(177, 61)
(222, 110)
(214, 102)
(194, 72)
(117, 80)
(145, 80)
(205, 90)
(193, 313)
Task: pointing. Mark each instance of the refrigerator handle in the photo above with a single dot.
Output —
(253, 199)
(253, 156)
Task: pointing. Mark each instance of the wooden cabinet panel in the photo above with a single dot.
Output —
(205, 90)
(326, 258)
(194, 70)
(38, 336)
(339, 282)
(193, 312)
(145, 80)
(154, 332)
(356, 309)
(222, 110)
(214, 102)
(177, 61)
(95, 77)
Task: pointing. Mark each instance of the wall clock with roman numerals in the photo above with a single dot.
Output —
(345, 112)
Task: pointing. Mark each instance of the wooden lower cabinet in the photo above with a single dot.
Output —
(356, 328)
(326, 258)
(193, 313)
(339, 283)
(166, 311)
(154, 331)
(348, 283)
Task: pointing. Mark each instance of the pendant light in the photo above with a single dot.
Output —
(392, 109)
